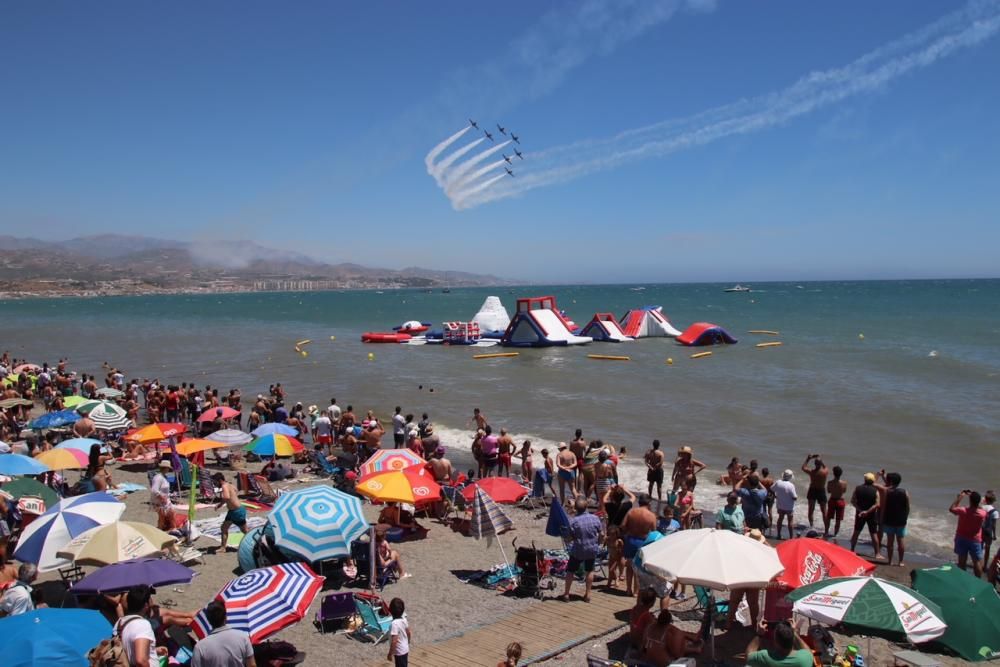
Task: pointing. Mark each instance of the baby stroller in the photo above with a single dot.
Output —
(534, 569)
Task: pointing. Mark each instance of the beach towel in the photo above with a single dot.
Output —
(149, 456)
(212, 528)
(126, 488)
(254, 506)
(185, 507)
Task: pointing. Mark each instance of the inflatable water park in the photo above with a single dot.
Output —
(539, 322)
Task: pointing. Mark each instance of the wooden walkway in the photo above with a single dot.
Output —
(544, 629)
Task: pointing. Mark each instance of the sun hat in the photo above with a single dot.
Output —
(563, 445)
(755, 534)
(685, 450)
(165, 464)
(869, 477)
(787, 475)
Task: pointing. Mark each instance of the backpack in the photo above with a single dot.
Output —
(111, 652)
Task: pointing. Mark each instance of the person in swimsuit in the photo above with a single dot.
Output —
(836, 488)
(236, 514)
(637, 524)
(654, 470)
(548, 471)
(566, 464)
(816, 495)
(866, 506)
(663, 643)
(526, 463)
(895, 514)
(579, 447)
(604, 474)
(587, 469)
(686, 468)
(505, 448)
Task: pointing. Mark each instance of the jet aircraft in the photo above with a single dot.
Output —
(488, 135)
(509, 172)
(514, 137)
(507, 159)
(518, 153)
(503, 130)
(473, 124)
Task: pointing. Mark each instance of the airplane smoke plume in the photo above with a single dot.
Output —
(966, 28)
(455, 176)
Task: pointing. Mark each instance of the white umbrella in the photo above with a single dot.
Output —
(713, 558)
(230, 436)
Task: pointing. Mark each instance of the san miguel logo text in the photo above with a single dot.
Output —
(832, 600)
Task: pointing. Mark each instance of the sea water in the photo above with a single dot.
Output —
(900, 375)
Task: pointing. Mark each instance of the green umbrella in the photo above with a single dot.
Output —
(970, 606)
(24, 486)
(73, 401)
(89, 406)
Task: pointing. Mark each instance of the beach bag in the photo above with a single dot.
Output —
(111, 652)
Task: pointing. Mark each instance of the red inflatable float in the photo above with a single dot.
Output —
(384, 337)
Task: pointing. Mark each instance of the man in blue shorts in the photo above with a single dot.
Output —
(236, 514)
(566, 471)
(637, 524)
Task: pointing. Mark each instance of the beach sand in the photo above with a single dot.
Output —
(438, 603)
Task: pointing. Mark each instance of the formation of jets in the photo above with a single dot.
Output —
(504, 132)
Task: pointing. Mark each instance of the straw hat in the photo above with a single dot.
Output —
(563, 445)
(755, 534)
(165, 463)
(685, 450)
(787, 475)
(430, 429)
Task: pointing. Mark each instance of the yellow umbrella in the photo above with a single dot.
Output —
(73, 401)
(189, 447)
(62, 459)
(115, 542)
(414, 485)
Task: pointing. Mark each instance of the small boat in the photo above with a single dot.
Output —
(384, 337)
(737, 288)
(412, 327)
(446, 291)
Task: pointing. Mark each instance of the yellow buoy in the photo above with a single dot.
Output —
(304, 353)
(773, 344)
(495, 355)
(608, 357)
(699, 355)
(371, 356)
(764, 331)
(333, 338)
(861, 336)
(670, 361)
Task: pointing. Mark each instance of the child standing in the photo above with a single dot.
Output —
(399, 648)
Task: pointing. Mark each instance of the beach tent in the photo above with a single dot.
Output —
(604, 327)
(647, 322)
(492, 316)
(705, 333)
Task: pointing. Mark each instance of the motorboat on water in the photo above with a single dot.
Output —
(737, 288)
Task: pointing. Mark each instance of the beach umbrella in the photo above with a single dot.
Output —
(265, 600)
(274, 427)
(21, 487)
(18, 464)
(488, 518)
(390, 459)
(971, 607)
(116, 542)
(808, 560)
(110, 392)
(51, 531)
(275, 445)
(51, 637)
(64, 459)
(317, 523)
(26, 367)
(155, 432)
(414, 485)
(109, 417)
(55, 419)
(230, 436)
(713, 558)
(500, 489)
(222, 411)
(872, 604)
(126, 574)
(16, 403)
(81, 444)
(87, 407)
(558, 522)
(195, 445)
(73, 401)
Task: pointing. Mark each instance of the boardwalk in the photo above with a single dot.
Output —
(544, 629)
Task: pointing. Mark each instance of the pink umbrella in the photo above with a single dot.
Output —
(27, 367)
(212, 413)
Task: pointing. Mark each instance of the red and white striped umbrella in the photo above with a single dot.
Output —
(265, 600)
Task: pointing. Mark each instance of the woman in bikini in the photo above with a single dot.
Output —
(686, 468)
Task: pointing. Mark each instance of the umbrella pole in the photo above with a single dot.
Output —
(504, 554)
(371, 557)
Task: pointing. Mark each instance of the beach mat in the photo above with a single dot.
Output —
(254, 506)
(212, 528)
(126, 488)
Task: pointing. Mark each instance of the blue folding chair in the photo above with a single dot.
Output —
(374, 626)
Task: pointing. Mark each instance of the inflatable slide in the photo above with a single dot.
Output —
(604, 327)
(538, 323)
(647, 322)
(492, 317)
(705, 333)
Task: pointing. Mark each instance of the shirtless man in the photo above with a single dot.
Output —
(83, 427)
(235, 514)
(505, 445)
(836, 488)
(579, 447)
(566, 465)
(372, 438)
(637, 524)
(479, 419)
(654, 470)
(817, 485)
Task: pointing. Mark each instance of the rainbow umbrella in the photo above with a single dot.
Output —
(275, 445)
(414, 485)
(81, 444)
(155, 432)
(265, 600)
(63, 459)
(273, 427)
(390, 459)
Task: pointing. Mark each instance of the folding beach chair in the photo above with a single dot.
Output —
(206, 489)
(374, 625)
(245, 486)
(324, 467)
(705, 599)
(265, 493)
(334, 610)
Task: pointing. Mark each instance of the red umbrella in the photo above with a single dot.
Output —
(808, 560)
(500, 489)
(212, 413)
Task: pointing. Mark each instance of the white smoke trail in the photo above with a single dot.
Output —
(973, 25)
(440, 148)
(456, 174)
(437, 170)
(474, 176)
(482, 186)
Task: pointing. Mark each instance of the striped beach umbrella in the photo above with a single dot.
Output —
(64, 459)
(414, 485)
(390, 459)
(155, 432)
(273, 427)
(53, 530)
(110, 392)
(488, 518)
(55, 420)
(87, 407)
(265, 600)
(230, 436)
(19, 464)
(109, 417)
(317, 523)
(275, 445)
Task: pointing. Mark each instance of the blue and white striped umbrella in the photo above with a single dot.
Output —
(317, 523)
(62, 522)
(274, 428)
(265, 600)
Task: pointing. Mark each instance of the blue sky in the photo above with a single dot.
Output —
(305, 126)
